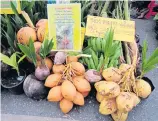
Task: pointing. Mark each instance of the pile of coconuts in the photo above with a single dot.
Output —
(67, 83)
(118, 96)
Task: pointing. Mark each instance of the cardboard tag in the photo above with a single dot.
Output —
(124, 30)
(5, 7)
(65, 26)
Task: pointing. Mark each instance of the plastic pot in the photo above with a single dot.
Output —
(13, 82)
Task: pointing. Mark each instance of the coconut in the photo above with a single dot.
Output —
(93, 76)
(143, 88)
(58, 68)
(78, 68)
(41, 33)
(24, 35)
(41, 22)
(53, 80)
(79, 99)
(66, 105)
(54, 94)
(68, 90)
(112, 74)
(108, 106)
(81, 84)
(34, 88)
(125, 102)
(60, 58)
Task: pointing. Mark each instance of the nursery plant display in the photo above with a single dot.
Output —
(67, 83)
(110, 66)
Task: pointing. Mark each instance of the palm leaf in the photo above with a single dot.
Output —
(154, 55)
(13, 59)
(3, 19)
(32, 51)
(10, 30)
(144, 50)
(17, 17)
(24, 4)
(14, 8)
(30, 6)
(109, 42)
(46, 47)
(5, 59)
(149, 69)
(22, 58)
(35, 17)
(152, 62)
(10, 41)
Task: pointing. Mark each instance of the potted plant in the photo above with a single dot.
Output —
(148, 63)
(13, 81)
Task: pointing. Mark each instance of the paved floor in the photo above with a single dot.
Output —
(11, 117)
(146, 111)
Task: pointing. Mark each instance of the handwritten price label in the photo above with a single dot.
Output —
(123, 30)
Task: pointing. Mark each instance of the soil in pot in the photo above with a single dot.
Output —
(13, 82)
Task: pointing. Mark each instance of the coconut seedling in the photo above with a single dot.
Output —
(42, 71)
(143, 87)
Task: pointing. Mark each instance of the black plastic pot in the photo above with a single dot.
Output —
(13, 82)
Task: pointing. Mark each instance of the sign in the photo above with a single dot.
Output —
(124, 30)
(6, 7)
(65, 26)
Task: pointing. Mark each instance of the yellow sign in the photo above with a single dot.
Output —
(83, 31)
(124, 30)
(5, 7)
(65, 26)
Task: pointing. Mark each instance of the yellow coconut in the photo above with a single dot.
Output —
(41, 22)
(24, 35)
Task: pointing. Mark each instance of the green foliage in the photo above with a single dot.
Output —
(148, 63)
(46, 47)
(112, 49)
(105, 57)
(8, 32)
(29, 51)
(12, 61)
(16, 13)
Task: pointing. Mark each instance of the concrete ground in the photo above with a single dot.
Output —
(22, 108)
